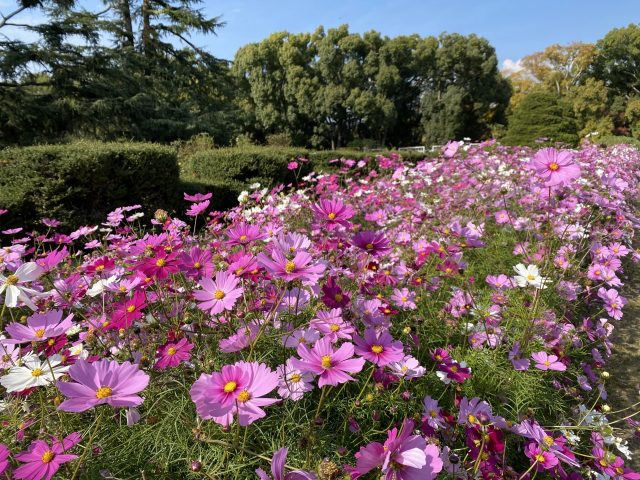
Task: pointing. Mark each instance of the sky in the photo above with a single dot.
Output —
(514, 27)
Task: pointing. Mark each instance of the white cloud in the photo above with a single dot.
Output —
(510, 67)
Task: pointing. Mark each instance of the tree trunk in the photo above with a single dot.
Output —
(127, 24)
(147, 47)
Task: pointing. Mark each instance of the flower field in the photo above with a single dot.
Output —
(449, 318)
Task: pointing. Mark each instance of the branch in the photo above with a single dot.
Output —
(5, 19)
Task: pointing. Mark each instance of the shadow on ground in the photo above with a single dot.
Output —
(624, 364)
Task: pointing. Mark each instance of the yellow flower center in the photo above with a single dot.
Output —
(99, 268)
(548, 440)
(47, 456)
(326, 361)
(6, 357)
(244, 396)
(471, 418)
(131, 308)
(230, 387)
(160, 262)
(404, 299)
(454, 368)
(122, 288)
(553, 166)
(331, 216)
(338, 297)
(540, 458)
(547, 362)
(243, 238)
(218, 294)
(290, 267)
(603, 462)
(36, 372)
(39, 333)
(433, 414)
(103, 392)
(238, 271)
(12, 279)
(171, 351)
(296, 377)
(51, 342)
(197, 265)
(530, 277)
(369, 246)
(377, 349)
(334, 327)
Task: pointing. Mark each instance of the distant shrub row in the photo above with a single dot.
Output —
(80, 183)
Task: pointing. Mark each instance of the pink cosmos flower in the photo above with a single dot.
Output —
(404, 298)
(613, 302)
(544, 361)
(332, 213)
(4, 458)
(197, 197)
(160, 265)
(243, 234)
(554, 167)
(300, 267)
(379, 349)
(104, 381)
(42, 461)
(374, 243)
(292, 165)
(333, 366)
(196, 263)
(543, 459)
(408, 367)
(277, 469)
(197, 208)
(218, 295)
(433, 413)
(402, 457)
(238, 388)
(39, 327)
(173, 354)
(127, 312)
(331, 325)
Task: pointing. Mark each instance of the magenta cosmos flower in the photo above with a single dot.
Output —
(544, 361)
(277, 469)
(104, 381)
(333, 366)
(379, 349)
(39, 327)
(42, 460)
(219, 294)
(296, 267)
(374, 243)
(173, 354)
(4, 458)
(402, 457)
(237, 388)
(554, 167)
(332, 213)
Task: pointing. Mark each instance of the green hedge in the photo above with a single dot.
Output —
(228, 171)
(80, 183)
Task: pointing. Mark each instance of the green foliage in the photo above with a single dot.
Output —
(81, 182)
(609, 140)
(228, 171)
(541, 115)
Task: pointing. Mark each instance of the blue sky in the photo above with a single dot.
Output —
(514, 27)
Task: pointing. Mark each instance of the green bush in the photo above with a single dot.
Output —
(228, 171)
(541, 115)
(80, 183)
(610, 140)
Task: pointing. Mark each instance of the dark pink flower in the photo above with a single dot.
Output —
(173, 354)
(379, 349)
(42, 461)
(333, 366)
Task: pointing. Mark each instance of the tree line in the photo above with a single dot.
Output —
(130, 70)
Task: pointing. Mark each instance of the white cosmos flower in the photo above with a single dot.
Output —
(12, 286)
(529, 275)
(33, 372)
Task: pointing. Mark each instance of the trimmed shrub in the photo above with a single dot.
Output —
(228, 171)
(80, 183)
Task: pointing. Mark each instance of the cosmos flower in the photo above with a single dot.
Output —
(554, 167)
(32, 372)
(237, 389)
(300, 267)
(294, 383)
(333, 366)
(277, 469)
(13, 285)
(378, 349)
(220, 294)
(39, 327)
(103, 381)
(173, 354)
(42, 461)
(529, 275)
(374, 243)
(331, 213)
(544, 361)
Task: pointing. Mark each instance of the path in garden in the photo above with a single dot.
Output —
(624, 365)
